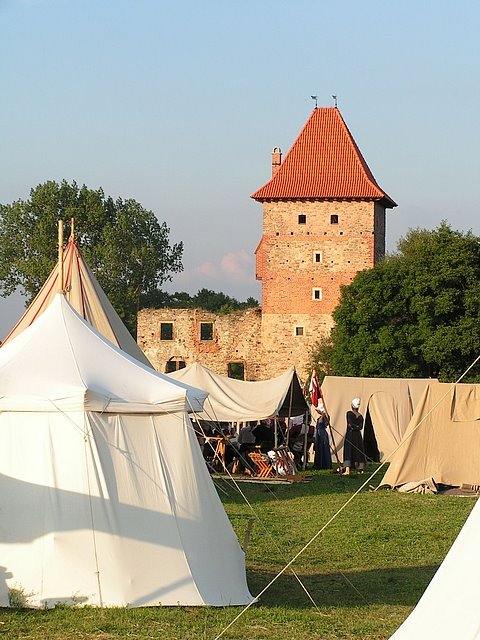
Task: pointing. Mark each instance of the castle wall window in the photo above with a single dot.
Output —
(334, 219)
(299, 331)
(166, 331)
(174, 364)
(206, 331)
(316, 293)
(317, 256)
(302, 218)
(236, 370)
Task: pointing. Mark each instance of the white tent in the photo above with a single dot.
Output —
(449, 607)
(389, 403)
(231, 400)
(104, 495)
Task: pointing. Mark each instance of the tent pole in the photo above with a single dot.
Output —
(60, 255)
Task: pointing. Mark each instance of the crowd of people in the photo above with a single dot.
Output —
(223, 446)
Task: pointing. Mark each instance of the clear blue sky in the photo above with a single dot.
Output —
(178, 105)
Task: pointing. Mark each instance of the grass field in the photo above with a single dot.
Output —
(365, 572)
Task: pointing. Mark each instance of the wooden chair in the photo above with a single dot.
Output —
(264, 468)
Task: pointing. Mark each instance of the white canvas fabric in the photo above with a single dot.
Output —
(88, 299)
(105, 508)
(231, 400)
(61, 363)
(449, 606)
(389, 401)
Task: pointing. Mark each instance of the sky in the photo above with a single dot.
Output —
(178, 105)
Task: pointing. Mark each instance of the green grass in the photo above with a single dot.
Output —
(365, 572)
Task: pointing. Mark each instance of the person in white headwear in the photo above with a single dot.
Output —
(353, 448)
(321, 443)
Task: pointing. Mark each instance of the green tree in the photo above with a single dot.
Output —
(416, 314)
(213, 301)
(125, 245)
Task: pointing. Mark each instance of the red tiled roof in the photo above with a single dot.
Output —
(324, 163)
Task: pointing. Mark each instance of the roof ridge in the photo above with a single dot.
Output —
(324, 162)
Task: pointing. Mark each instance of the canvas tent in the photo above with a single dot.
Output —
(387, 402)
(231, 400)
(442, 441)
(449, 607)
(104, 494)
(86, 296)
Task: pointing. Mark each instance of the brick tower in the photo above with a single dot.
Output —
(323, 222)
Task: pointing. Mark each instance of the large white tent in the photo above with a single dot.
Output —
(231, 400)
(389, 403)
(448, 608)
(105, 498)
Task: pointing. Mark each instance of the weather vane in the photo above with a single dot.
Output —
(314, 98)
(335, 100)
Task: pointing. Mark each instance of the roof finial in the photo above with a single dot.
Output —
(314, 98)
(335, 100)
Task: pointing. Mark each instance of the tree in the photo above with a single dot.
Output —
(124, 244)
(416, 314)
(213, 301)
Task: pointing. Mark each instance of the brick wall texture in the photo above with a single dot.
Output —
(307, 251)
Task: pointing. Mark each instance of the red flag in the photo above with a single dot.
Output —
(314, 389)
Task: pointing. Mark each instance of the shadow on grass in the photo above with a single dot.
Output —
(401, 586)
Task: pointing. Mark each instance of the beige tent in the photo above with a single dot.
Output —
(387, 405)
(86, 297)
(231, 400)
(442, 441)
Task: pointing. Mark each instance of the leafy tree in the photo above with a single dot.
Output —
(213, 301)
(124, 244)
(414, 315)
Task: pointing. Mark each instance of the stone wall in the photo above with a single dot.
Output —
(236, 338)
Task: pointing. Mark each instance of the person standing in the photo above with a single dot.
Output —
(321, 443)
(353, 448)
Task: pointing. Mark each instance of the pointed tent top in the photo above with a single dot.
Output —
(324, 163)
(61, 363)
(89, 300)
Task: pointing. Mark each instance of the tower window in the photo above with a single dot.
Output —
(302, 218)
(206, 331)
(316, 293)
(166, 331)
(299, 331)
(317, 256)
(334, 219)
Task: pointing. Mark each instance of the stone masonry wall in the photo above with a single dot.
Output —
(236, 338)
